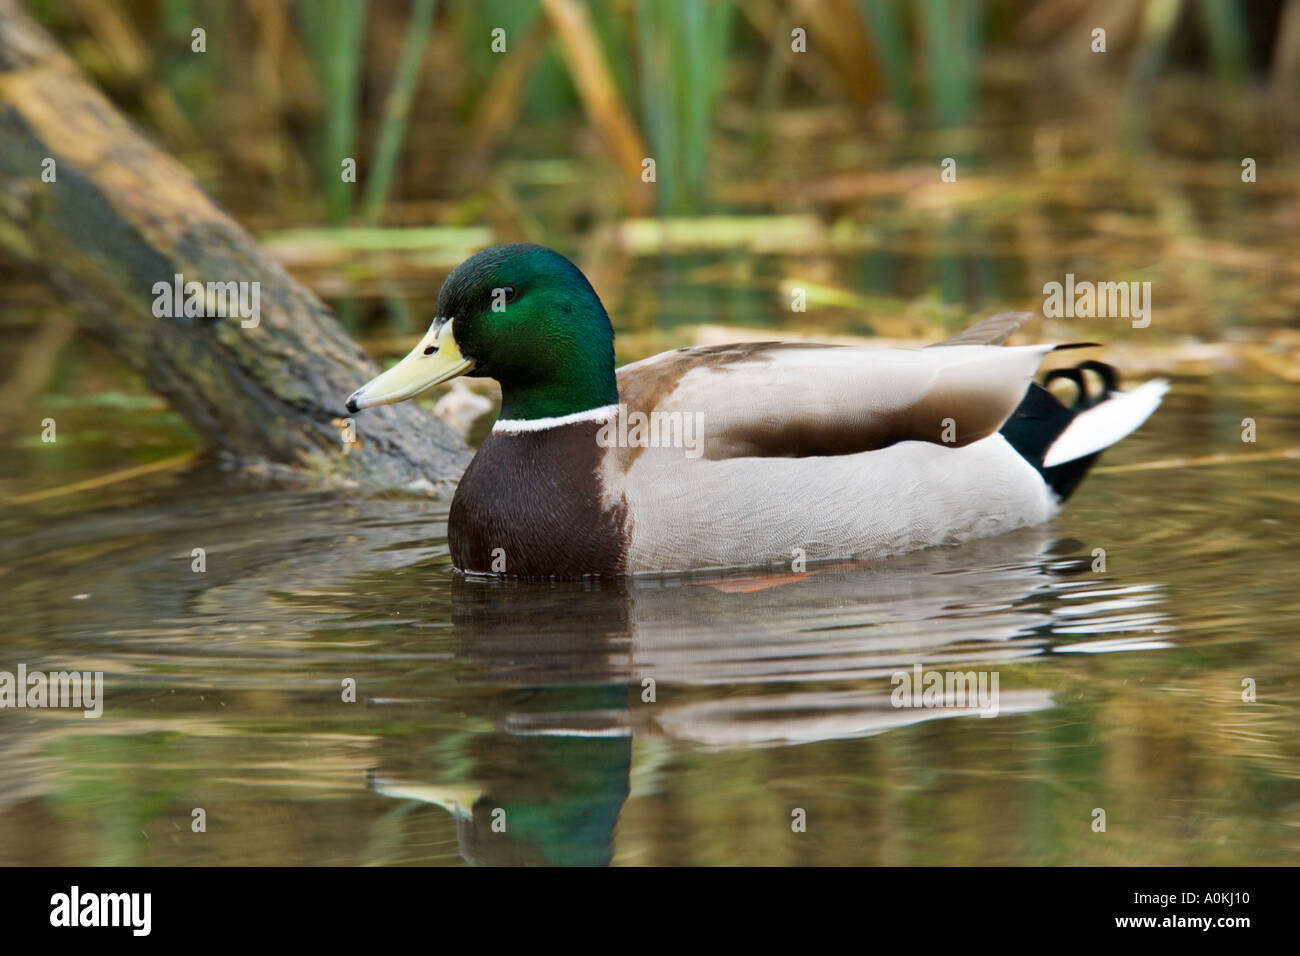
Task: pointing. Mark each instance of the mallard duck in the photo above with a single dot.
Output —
(739, 455)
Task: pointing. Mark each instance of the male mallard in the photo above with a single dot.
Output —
(754, 453)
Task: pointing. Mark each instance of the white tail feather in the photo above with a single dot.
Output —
(1108, 422)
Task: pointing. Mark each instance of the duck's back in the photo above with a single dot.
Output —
(821, 452)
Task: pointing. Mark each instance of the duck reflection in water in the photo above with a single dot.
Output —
(573, 672)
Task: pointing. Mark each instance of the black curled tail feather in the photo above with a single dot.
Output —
(1041, 418)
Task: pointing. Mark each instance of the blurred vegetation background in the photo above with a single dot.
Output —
(797, 144)
(544, 139)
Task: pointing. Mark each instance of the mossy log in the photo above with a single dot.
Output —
(121, 216)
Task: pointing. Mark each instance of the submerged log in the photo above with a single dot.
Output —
(119, 218)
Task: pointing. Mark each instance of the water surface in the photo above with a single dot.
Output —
(1119, 689)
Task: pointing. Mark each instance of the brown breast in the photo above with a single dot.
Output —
(531, 504)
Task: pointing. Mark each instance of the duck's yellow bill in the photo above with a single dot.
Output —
(434, 360)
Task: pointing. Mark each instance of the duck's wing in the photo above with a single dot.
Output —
(786, 400)
(994, 330)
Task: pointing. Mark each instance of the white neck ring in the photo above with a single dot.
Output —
(517, 426)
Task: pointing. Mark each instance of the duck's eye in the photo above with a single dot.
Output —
(509, 293)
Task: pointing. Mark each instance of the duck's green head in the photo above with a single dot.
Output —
(523, 315)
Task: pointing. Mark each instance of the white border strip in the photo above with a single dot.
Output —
(516, 426)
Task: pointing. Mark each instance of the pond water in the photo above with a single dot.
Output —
(479, 705)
